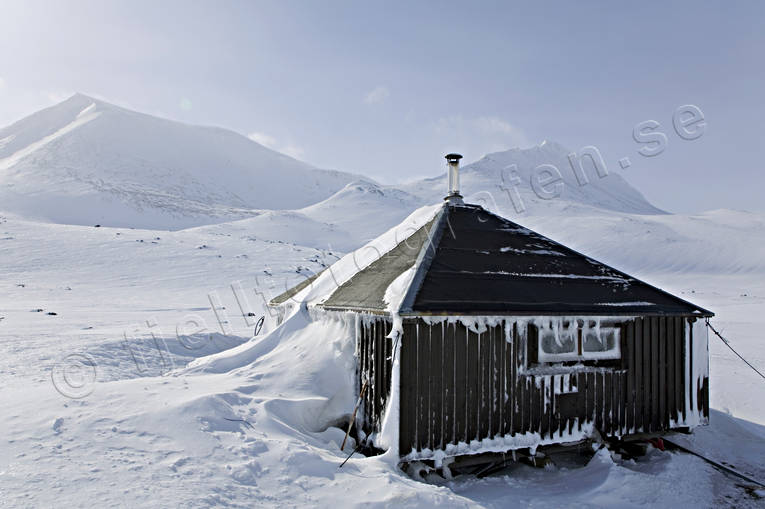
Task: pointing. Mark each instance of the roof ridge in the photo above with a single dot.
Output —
(424, 260)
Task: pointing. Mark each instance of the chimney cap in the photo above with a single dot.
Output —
(453, 158)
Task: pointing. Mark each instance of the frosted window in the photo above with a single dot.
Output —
(600, 341)
(557, 342)
(575, 340)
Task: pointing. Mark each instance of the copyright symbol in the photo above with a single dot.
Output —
(75, 376)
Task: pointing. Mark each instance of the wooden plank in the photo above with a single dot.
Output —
(378, 373)
(408, 370)
(555, 416)
(647, 374)
(616, 386)
(544, 425)
(497, 392)
(574, 399)
(373, 374)
(423, 385)
(388, 361)
(511, 381)
(436, 386)
(461, 380)
(485, 377)
(380, 367)
(663, 413)
(516, 396)
(671, 389)
(630, 416)
(599, 401)
(488, 351)
(518, 389)
(655, 376)
(503, 386)
(608, 388)
(624, 429)
(616, 390)
(549, 417)
(362, 369)
(612, 389)
(532, 344)
(382, 388)
(525, 403)
(638, 375)
(383, 385)
(692, 389)
(583, 416)
(369, 375)
(449, 385)
(562, 408)
(387, 346)
(682, 363)
(536, 405)
(473, 386)
(590, 396)
(623, 383)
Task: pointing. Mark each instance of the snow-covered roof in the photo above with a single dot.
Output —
(462, 259)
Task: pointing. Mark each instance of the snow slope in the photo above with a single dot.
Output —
(87, 162)
(253, 423)
(354, 215)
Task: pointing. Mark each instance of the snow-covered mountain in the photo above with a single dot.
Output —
(363, 209)
(495, 178)
(85, 161)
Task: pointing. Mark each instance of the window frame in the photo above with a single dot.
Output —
(611, 357)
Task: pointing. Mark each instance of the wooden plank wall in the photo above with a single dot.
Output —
(374, 365)
(459, 386)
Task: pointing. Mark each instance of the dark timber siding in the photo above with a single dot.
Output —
(459, 386)
(374, 365)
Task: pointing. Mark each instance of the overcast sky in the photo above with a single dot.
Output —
(386, 89)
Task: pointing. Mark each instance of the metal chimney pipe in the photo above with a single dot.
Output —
(454, 196)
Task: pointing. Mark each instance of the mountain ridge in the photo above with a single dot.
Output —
(86, 161)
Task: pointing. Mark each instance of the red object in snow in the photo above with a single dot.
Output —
(657, 443)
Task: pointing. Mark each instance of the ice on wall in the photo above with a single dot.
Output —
(697, 370)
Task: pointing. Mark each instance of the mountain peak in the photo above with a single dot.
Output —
(553, 146)
(77, 99)
(546, 146)
(80, 95)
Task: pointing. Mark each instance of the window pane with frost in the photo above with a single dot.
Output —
(554, 341)
(600, 340)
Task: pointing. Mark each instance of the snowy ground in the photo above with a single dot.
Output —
(144, 435)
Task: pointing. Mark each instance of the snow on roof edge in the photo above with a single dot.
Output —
(342, 270)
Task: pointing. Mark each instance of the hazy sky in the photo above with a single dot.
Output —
(387, 88)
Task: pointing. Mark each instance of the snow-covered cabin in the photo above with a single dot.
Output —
(475, 334)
